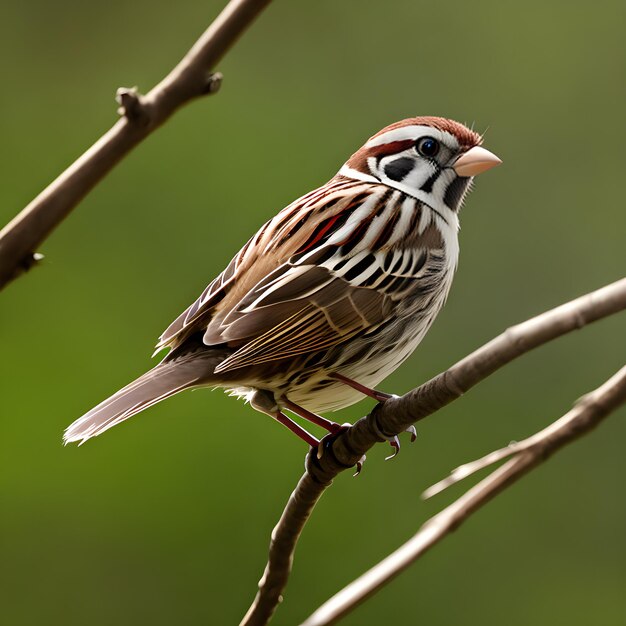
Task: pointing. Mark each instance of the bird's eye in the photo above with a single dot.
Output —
(427, 147)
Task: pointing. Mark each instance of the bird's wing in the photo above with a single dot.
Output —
(272, 245)
(295, 310)
(343, 274)
(203, 306)
(324, 295)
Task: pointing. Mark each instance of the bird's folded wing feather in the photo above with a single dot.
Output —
(273, 244)
(293, 290)
(204, 305)
(297, 309)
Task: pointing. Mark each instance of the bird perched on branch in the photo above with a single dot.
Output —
(332, 294)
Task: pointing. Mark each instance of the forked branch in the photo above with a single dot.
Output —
(141, 115)
(587, 413)
(397, 414)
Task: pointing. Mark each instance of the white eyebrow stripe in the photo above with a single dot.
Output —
(411, 132)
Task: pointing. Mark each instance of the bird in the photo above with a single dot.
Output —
(331, 295)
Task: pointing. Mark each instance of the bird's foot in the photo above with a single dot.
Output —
(379, 396)
(333, 429)
(394, 441)
(411, 430)
(327, 441)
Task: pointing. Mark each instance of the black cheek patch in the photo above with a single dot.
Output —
(428, 185)
(398, 169)
(455, 191)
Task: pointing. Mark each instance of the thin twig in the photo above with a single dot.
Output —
(396, 414)
(283, 540)
(588, 412)
(141, 115)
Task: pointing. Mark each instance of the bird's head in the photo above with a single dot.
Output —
(432, 159)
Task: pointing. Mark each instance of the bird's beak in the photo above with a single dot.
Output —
(475, 161)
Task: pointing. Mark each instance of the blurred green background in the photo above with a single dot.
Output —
(166, 519)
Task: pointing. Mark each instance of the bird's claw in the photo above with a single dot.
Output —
(394, 441)
(411, 430)
(327, 440)
(359, 466)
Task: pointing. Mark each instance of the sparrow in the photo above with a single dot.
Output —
(332, 294)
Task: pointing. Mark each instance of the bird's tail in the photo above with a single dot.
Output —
(163, 381)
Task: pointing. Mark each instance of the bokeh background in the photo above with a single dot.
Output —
(166, 519)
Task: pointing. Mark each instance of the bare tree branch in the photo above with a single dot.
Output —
(282, 547)
(587, 413)
(141, 115)
(396, 414)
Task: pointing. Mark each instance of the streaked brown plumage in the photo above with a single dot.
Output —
(332, 294)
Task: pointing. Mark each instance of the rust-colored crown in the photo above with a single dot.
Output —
(466, 137)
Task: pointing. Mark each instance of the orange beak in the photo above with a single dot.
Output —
(475, 161)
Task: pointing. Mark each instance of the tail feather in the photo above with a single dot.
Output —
(163, 381)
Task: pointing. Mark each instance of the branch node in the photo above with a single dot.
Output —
(397, 413)
(132, 105)
(141, 114)
(27, 263)
(213, 83)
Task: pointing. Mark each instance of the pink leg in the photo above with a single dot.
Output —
(263, 400)
(318, 420)
(379, 396)
(305, 435)
(332, 427)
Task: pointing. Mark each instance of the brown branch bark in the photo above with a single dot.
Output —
(141, 115)
(588, 412)
(395, 415)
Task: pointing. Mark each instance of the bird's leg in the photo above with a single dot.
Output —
(264, 402)
(314, 418)
(305, 435)
(379, 396)
(332, 427)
